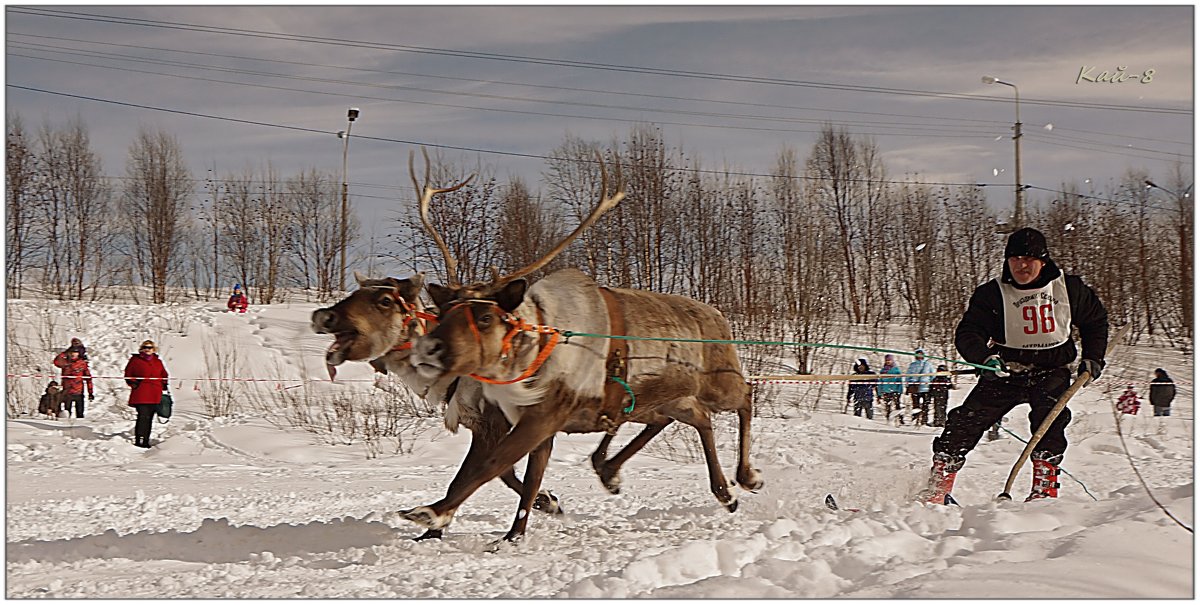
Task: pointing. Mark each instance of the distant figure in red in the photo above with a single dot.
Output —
(1128, 402)
(237, 302)
(147, 375)
(75, 374)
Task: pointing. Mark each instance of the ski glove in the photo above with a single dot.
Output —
(91, 396)
(994, 361)
(1092, 367)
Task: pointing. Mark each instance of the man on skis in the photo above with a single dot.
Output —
(1020, 325)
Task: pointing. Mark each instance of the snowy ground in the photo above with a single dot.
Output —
(247, 506)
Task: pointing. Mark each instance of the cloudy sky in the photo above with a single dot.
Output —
(731, 86)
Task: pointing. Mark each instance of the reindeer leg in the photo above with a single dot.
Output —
(535, 469)
(495, 426)
(609, 470)
(686, 410)
(536, 426)
(749, 478)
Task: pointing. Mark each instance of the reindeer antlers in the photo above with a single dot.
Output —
(424, 195)
(606, 204)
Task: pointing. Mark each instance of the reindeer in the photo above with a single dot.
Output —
(497, 334)
(378, 322)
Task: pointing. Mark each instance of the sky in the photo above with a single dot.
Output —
(503, 86)
(252, 505)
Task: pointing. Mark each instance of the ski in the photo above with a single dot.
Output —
(832, 504)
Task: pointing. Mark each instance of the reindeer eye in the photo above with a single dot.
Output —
(486, 320)
(385, 301)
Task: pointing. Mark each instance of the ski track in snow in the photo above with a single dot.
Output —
(238, 507)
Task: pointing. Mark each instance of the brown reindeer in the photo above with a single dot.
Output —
(378, 322)
(496, 333)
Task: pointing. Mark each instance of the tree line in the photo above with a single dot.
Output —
(826, 237)
(73, 231)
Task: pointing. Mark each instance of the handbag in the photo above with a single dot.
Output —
(164, 406)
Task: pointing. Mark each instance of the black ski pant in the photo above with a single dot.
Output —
(992, 398)
(864, 406)
(145, 421)
(941, 399)
(75, 402)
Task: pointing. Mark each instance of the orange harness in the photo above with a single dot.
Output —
(516, 324)
(420, 318)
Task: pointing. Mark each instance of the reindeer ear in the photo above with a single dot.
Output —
(360, 278)
(409, 288)
(440, 294)
(510, 296)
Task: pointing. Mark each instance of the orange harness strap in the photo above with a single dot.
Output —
(519, 325)
(421, 317)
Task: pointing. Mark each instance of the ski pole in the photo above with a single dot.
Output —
(1054, 412)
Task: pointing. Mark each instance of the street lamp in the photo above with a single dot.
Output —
(351, 115)
(1018, 211)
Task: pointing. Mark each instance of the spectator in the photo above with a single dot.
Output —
(147, 375)
(862, 392)
(78, 346)
(1128, 402)
(939, 391)
(51, 401)
(75, 374)
(1162, 392)
(890, 388)
(237, 301)
(919, 375)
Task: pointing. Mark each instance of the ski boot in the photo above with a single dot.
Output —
(1045, 476)
(941, 479)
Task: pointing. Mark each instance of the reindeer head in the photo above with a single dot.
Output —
(476, 326)
(372, 320)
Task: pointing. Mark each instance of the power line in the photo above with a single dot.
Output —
(45, 12)
(548, 158)
(922, 129)
(517, 84)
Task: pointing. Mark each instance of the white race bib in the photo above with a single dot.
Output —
(1036, 319)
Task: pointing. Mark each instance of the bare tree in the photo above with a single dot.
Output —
(155, 203)
(846, 177)
(20, 182)
(529, 230)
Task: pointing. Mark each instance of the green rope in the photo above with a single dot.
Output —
(1064, 471)
(632, 399)
(569, 334)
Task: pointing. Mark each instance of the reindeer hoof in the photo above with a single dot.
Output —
(430, 534)
(752, 482)
(547, 503)
(612, 482)
(731, 506)
(425, 517)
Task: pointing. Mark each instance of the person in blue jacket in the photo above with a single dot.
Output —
(890, 388)
(919, 375)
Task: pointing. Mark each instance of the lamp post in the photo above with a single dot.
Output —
(1019, 209)
(351, 115)
(1185, 252)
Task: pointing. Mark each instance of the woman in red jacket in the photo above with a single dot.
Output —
(147, 375)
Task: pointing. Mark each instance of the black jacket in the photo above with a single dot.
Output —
(862, 391)
(984, 321)
(1162, 392)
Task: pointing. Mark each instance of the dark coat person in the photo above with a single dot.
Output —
(1162, 392)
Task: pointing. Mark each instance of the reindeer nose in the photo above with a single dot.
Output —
(430, 347)
(323, 320)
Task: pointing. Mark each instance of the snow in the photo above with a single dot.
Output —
(251, 505)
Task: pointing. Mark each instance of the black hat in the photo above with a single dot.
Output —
(1027, 242)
